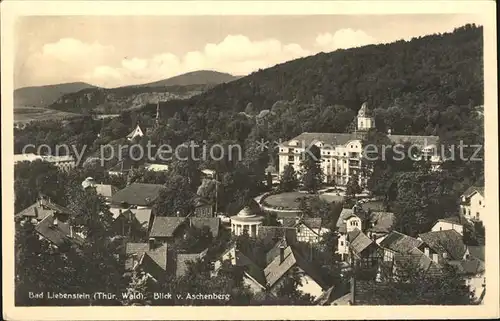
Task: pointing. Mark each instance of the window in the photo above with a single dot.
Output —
(477, 214)
(440, 228)
(341, 243)
(479, 202)
(291, 158)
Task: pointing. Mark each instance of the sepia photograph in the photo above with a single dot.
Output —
(247, 159)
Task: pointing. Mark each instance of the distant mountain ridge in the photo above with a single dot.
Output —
(205, 77)
(42, 96)
(54, 96)
(115, 100)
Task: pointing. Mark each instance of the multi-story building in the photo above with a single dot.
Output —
(342, 153)
(65, 162)
(472, 203)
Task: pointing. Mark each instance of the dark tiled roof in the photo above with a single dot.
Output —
(332, 139)
(314, 223)
(213, 223)
(42, 209)
(142, 215)
(399, 243)
(107, 191)
(289, 221)
(382, 222)
(447, 241)
(359, 242)
(57, 234)
(468, 267)
(183, 259)
(165, 226)
(275, 270)
(346, 212)
(158, 254)
(473, 189)
(417, 258)
(476, 252)
(139, 194)
(271, 234)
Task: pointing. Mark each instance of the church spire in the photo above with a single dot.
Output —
(157, 121)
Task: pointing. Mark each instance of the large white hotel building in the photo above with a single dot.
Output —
(341, 153)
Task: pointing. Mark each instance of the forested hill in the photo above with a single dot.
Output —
(116, 100)
(410, 85)
(42, 96)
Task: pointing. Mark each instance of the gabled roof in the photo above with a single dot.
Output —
(332, 139)
(346, 214)
(213, 223)
(382, 222)
(447, 241)
(183, 259)
(249, 266)
(419, 259)
(311, 222)
(158, 254)
(399, 242)
(165, 226)
(106, 190)
(139, 194)
(275, 270)
(452, 220)
(473, 189)
(468, 267)
(358, 241)
(57, 234)
(142, 215)
(272, 234)
(476, 252)
(43, 208)
(132, 133)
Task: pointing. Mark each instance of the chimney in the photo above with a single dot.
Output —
(178, 213)
(389, 132)
(282, 253)
(151, 243)
(56, 222)
(70, 231)
(120, 211)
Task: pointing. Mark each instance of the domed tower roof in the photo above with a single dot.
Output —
(246, 212)
(364, 111)
(88, 182)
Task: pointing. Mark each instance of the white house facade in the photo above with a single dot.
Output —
(341, 153)
(472, 204)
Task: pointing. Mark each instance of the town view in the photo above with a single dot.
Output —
(253, 165)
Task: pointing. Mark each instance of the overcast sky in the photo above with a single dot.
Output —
(115, 51)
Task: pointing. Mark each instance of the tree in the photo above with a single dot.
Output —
(194, 240)
(289, 181)
(175, 197)
(312, 175)
(412, 284)
(352, 187)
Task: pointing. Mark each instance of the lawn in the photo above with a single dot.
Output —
(290, 200)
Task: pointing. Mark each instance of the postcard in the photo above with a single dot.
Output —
(225, 160)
